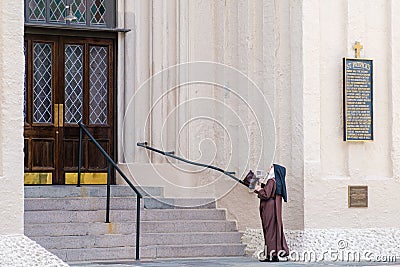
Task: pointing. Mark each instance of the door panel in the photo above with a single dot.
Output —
(68, 80)
(95, 160)
(40, 132)
(88, 97)
(43, 154)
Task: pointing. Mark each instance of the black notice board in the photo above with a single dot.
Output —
(358, 99)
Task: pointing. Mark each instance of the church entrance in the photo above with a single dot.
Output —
(67, 80)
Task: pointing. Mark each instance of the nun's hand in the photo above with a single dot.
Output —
(257, 188)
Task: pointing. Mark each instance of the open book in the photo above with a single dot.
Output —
(251, 180)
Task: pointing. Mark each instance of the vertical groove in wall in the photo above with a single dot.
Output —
(390, 110)
(346, 44)
(182, 138)
(143, 70)
(394, 81)
(3, 71)
(177, 21)
(296, 175)
(149, 117)
(120, 90)
(171, 49)
(275, 75)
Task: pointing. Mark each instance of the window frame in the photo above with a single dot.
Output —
(109, 17)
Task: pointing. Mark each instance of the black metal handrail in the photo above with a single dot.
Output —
(109, 163)
(172, 155)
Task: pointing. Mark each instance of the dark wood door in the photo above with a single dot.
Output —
(68, 80)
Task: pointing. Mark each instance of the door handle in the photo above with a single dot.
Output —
(58, 115)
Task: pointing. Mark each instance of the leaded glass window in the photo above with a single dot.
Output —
(88, 13)
(42, 83)
(73, 83)
(79, 9)
(57, 11)
(98, 11)
(37, 10)
(98, 85)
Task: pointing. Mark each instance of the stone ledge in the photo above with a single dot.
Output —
(367, 244)
(19, 250)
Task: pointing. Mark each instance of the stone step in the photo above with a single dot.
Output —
(146, 239)
(188, 226)
(207, 250)
(179, 203)
(67, 216)
(79, 203)
(102, 254)
(63, 216)
(79, 229)
(98, 228)
(128, 253)
(64, 191)
(183, 214)
(99, 203)
(69, 221)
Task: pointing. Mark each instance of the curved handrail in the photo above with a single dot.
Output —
(82, 128)
(171, 154)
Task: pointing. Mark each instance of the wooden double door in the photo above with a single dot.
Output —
(67, 80)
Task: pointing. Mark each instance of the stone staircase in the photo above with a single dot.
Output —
(69, 222)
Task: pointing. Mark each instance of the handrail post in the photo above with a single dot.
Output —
(110, 163)
(79, 157)
(108, 192)
(137, 226)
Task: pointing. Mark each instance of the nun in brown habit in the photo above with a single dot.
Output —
(271, 194)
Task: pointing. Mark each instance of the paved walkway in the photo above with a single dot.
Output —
(225, 262)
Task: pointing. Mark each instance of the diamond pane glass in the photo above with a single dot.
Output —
(79, 9)
(98, 85)
(42, 94)
(57, 10)
(98, 11)
(25, 83)
(73, 83)
(37, 10)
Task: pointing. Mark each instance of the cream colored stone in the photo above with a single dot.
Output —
(293, 51)
(11, 117)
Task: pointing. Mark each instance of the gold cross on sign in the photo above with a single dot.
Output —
(358, 48)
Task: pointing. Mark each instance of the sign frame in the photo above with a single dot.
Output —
(345, 100)
(356, 203)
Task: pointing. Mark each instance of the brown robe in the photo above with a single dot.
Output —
(271, 218)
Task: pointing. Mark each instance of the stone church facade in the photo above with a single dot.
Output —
(112, 69)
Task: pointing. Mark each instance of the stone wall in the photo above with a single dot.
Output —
(293, 52)
(11, 117)
(251, 37)
(332, 28)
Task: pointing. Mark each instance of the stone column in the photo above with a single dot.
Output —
(137, 69)
(163, 98)
(11, 117)
(394, 85)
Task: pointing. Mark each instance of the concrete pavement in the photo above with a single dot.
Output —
(225, 262)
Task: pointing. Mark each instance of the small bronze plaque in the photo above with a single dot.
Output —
(358, 196)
